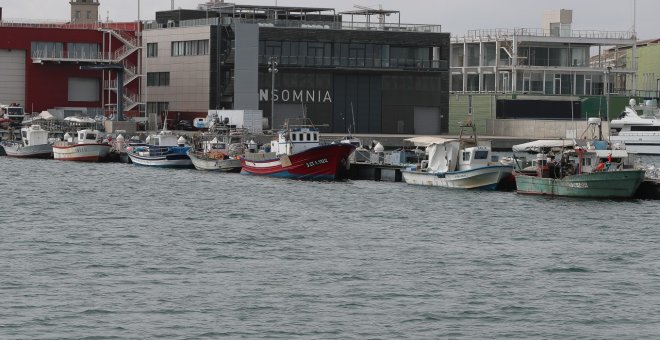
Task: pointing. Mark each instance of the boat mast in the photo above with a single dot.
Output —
(468, 123)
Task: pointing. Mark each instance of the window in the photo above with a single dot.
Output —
(47, 49)
(89, 14)
(481, 154)
(273, 48)
(466, 156)
(83, 50)
(309, 136)
(152, 50)
(157, 107)
(158, 78)
(294, 136)
(77, 14)
(190, 48)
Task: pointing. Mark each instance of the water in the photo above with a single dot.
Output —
(117, 251)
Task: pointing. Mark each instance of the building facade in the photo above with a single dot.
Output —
(363, 77)
(554, 72)
(43, 65)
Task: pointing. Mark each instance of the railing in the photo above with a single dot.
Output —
(358, 62)
(83, 55)
(639, 134)
(335, 25)
(30, 23)
(71, 55)
(124, 52)
(125, 37)
(505, 33)
(343, 25)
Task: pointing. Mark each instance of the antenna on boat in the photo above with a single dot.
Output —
(165, 120)
(353, 115)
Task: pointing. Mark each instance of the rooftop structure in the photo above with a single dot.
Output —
(285, 16)
(84, 11)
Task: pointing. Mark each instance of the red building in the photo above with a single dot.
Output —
(40, 65)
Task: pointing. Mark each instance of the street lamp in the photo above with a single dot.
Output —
(607, 89)
(272, 68)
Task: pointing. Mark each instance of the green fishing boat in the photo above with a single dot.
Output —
(605, 184)
(595, 170)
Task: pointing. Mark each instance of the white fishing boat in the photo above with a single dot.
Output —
(218, 155)
(640, 133)
(33, 144)
(87, 146)
(163, 150)
(456, 163)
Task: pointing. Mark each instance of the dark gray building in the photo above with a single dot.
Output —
(369, 77)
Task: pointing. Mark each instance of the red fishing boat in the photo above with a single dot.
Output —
(297, 153)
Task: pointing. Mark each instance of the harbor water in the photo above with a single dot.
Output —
(119, 251)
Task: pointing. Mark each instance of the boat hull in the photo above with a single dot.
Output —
(323, 163)
(646, 143)
(210, 164)
(169, 161)
(486, 178)
(81, 152)
(43, 151)
(612, 184)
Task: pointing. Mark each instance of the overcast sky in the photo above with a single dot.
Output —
(455, 16)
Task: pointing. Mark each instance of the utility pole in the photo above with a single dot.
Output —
(272, 68)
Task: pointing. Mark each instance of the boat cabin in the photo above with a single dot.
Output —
(164, 138)
(215, 145)
(34, 135)
(295, 140)
(474, 157)
(13, 111)
(89, 136)
(602, 160)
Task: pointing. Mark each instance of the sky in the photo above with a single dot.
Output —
(456, 17)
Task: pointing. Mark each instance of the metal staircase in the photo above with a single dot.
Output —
(130, 46)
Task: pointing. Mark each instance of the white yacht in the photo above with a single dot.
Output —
(640, 133)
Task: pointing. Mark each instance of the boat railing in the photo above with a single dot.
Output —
(641, 133)
(298, 122)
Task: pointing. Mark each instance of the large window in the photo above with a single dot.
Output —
(152, 50)
(157, 107)
(346, 54)
(47, 49)
(158, 78)
(190, 48)
(83, 50)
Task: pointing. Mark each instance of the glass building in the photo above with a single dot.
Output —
(367, 76)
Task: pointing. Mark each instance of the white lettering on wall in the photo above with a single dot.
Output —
(296, 96)
(263, 95)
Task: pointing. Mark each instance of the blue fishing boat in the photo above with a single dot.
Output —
(164, 150)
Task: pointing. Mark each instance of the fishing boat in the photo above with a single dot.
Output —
(164, 150)
(33, 144)
(456, 163)
(594, 171)
(87, 146)
(218, 155)
(296, 153)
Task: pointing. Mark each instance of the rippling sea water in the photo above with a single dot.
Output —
(117, 251)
